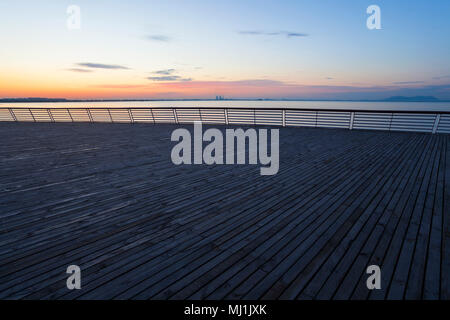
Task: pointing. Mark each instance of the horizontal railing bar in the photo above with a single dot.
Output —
(243, 108)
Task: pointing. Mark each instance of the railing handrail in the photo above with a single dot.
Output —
(242, 108)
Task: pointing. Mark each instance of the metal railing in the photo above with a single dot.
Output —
(423, 121)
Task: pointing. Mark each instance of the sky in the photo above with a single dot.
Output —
(198, 49)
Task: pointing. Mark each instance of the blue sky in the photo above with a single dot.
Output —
(248, 49)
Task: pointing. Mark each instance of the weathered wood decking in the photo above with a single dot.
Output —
(107, 197)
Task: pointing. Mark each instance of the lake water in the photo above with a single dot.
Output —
(338, 105)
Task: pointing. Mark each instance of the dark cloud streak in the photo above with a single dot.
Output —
(288, 34)
(407, 82)
(164, 72)
(296, 34)
(169, 78)
(80, 70)
(101, 66)
(441, 77)
(158, 37)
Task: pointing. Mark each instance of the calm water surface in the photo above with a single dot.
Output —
(338, 105)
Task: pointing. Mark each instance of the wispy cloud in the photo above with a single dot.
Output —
(442, 77)
(158, 37)
(167, 75)
(408, 82)
(121, 86)
(169, 78)
(288, 34)
(295, 34)
(257, 33)
(164, 72)
(101, 66)
(79, 70)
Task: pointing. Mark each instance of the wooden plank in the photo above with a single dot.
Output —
(108, 198)
(331, 276)
(385, 232)
(399, 281)
(415, 280)
(445, 276)
(227, 233)
(283, 274)
(433, 272)
(268, 250)
(347, 245)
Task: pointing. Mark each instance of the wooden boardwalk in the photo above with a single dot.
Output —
(107, 197)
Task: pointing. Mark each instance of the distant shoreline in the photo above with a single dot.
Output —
(62, 100)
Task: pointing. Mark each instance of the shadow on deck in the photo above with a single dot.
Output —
(107, 197)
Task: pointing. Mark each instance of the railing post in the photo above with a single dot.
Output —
(68, 111)
(175, 115)
(153, 116)
(352, 117)
(130, 115)
(109, 112)
(50, 115)
(29, 110)
(436, 123)
(226, 116)
(284, 117)
(200, 113)
(12, 114)
(91, 119)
